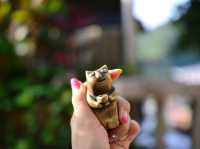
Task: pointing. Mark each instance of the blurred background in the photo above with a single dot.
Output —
(43, 43)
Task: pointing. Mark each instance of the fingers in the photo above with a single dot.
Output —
(120, 132)
(124, 109)
(124, 118)
(128, 128)
(75, 85)
(82, 116)
(78, 97)
(133, 131)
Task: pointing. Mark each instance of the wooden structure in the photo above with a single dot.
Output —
(133, 88)
(128, 32)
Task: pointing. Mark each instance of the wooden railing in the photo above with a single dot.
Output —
(134, 88)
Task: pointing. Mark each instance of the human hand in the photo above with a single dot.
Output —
(87, 131)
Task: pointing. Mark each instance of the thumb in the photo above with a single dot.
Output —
(79, 97)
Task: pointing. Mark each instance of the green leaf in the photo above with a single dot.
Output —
(22, 144)
(25, 99)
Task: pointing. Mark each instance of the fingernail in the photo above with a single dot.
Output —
(75, 83)
(124, 118)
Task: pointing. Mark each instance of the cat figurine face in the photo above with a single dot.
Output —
(100, 80)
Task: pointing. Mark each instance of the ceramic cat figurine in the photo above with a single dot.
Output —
(101, 95)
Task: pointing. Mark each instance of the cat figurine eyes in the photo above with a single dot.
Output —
(101, 95)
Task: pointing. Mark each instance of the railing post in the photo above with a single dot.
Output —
(160, 128)
(196, 124)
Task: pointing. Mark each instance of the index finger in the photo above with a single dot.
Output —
(123, 106)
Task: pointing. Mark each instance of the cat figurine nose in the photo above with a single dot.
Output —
(98, 75)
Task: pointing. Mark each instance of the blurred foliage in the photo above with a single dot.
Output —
(35, 61)
(35, 113)
(189, 41)
(6, 46)
(35, 100)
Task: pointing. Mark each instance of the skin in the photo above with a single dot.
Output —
(88, 133)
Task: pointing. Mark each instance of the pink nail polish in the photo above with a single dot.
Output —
(75, 83)
(124, 118)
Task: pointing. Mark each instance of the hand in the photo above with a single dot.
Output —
(88, 133)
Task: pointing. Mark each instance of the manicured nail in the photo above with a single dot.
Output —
(75, 83)
(124, 118)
